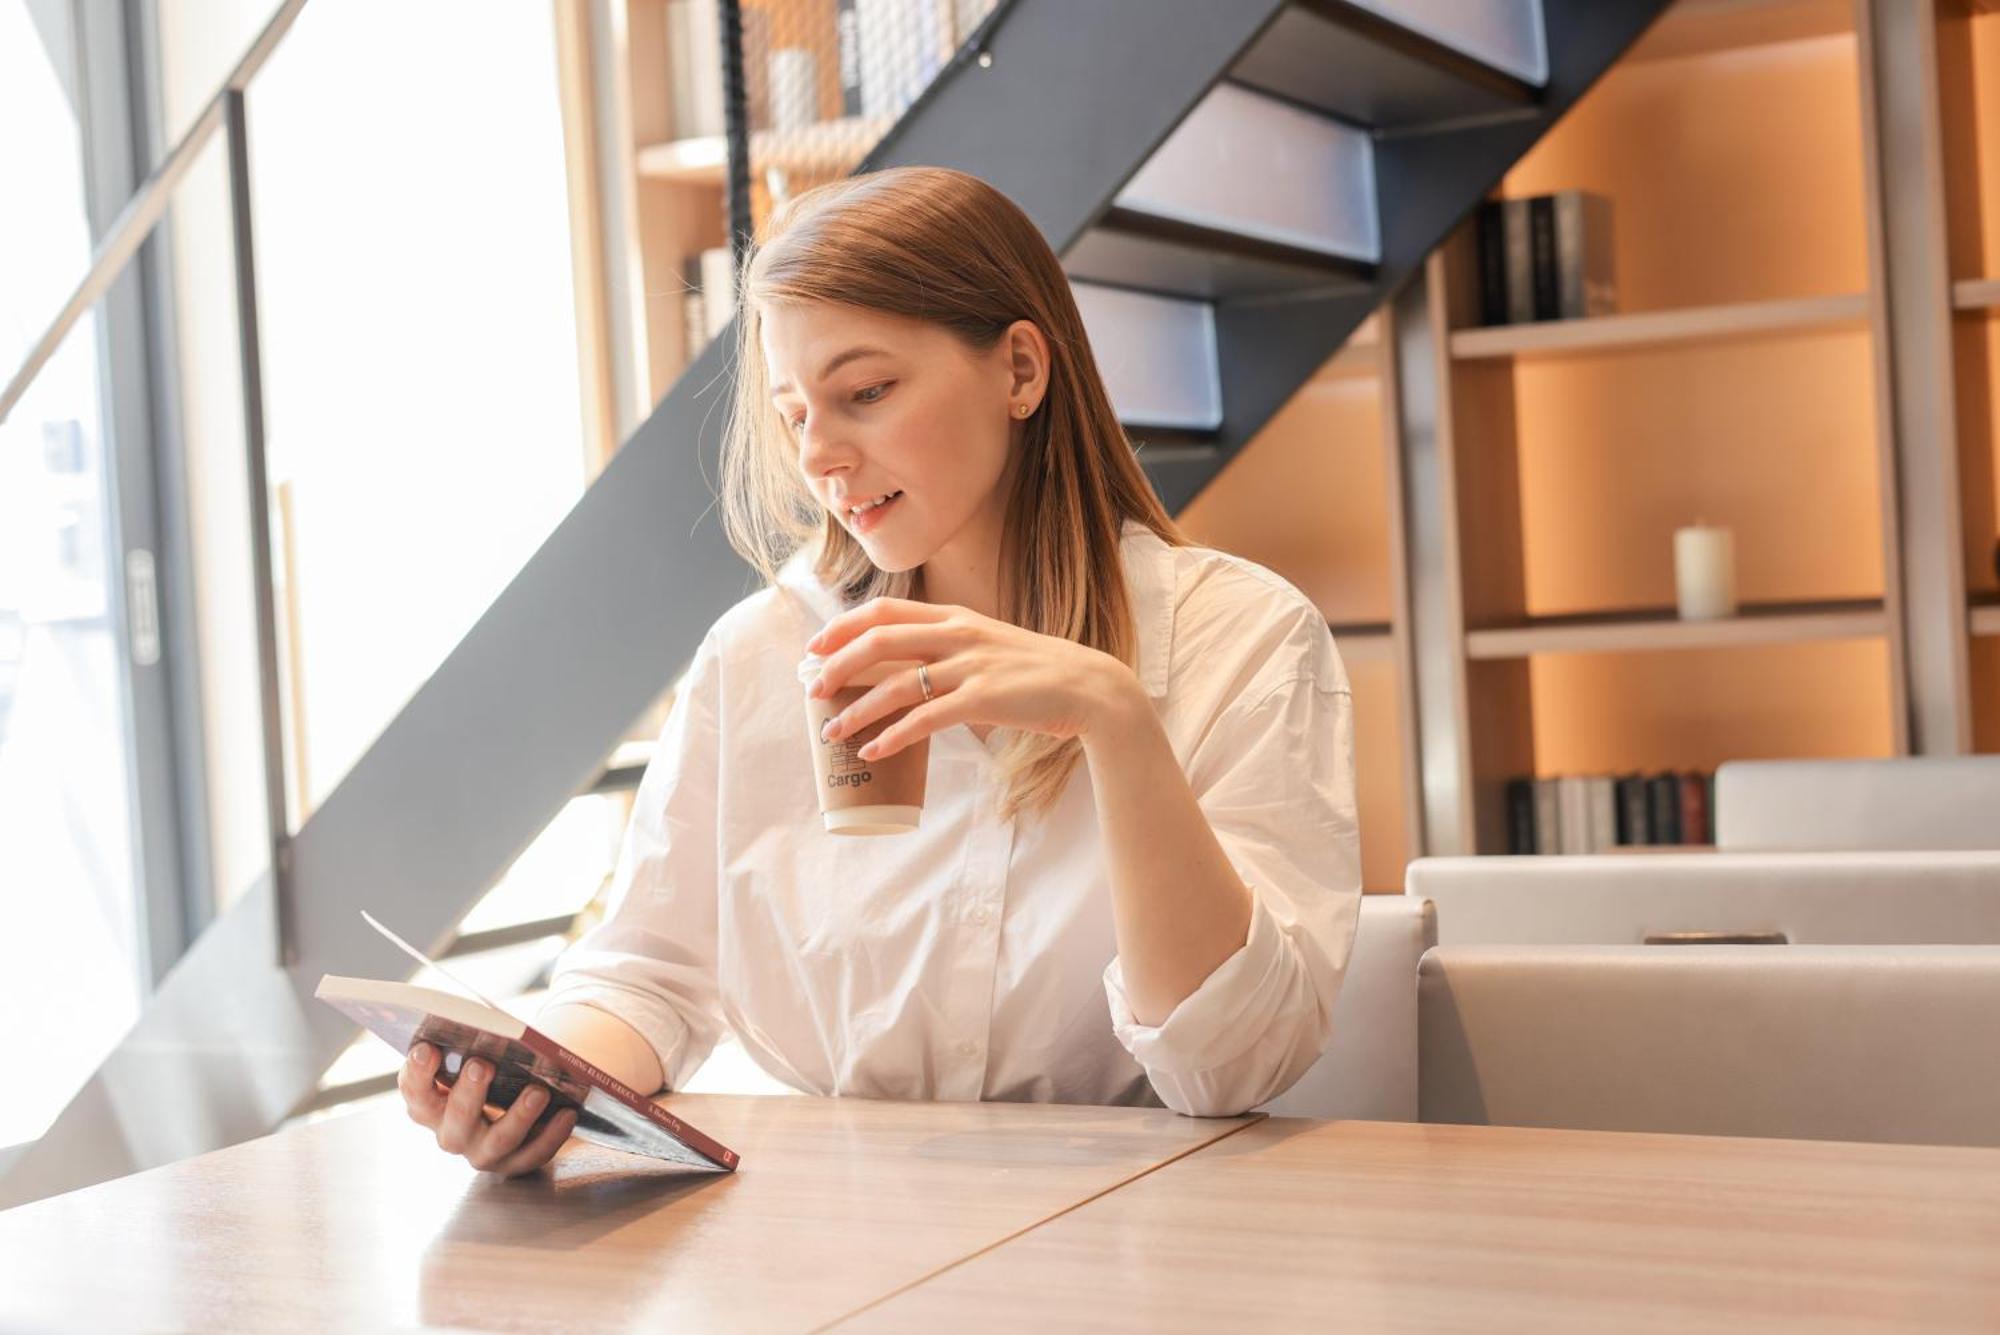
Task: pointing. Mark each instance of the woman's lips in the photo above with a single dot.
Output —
(871, 519)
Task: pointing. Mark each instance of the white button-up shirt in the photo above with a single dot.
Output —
(975, 958)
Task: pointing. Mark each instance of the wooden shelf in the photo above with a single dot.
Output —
(830, 147)
(1654, 328)
(1702, 27)
(1985, 615)
(1976, 294)
(1661, 628)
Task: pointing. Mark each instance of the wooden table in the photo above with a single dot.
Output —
(887, 1216)
(1381, 1226)
(361, 1223)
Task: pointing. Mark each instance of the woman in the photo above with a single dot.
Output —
(1136, 874)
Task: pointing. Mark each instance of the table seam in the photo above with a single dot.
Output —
(1026, 1229)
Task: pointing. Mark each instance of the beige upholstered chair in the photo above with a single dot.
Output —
(1874, 1043)
(1369, 1070)
(1626, 899)
(1908, 802)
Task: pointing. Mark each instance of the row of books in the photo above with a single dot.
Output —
(883, 53)
(1589, 813)
(1547, 257)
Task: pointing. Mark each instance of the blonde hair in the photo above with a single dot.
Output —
(944, 247)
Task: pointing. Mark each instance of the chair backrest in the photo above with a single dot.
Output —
(1369, 1069)
(1623, 899)
(1907, 802)
(1866, 1043)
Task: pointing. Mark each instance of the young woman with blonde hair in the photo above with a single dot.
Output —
(1137, 871)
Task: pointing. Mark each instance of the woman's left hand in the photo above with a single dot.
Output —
(983, 672)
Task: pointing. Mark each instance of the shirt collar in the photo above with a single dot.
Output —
(1149, 580)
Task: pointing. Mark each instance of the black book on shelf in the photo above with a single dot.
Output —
(1492, 263)
(847, 38)
(1663, 808)
(1520, 815)
(1542, 256)
(1635, 825)
(1520, 264)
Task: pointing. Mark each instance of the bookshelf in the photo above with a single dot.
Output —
(1747, 354)
(1967, 43)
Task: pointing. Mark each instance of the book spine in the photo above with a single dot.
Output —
(1694, 809)
(624, 1093)
(1571, 301)
(1634, 828)
(1603, 814)
(1542, 245)
(1492, 264)
(1548, 817)
(1663, 799)
(1520, 816)
(847, 33)
(1600, 263)
(1574, 798)
(1520, 262)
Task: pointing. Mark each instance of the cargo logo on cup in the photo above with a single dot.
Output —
(856, 796)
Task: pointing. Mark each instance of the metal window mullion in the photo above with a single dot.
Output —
(276, 812)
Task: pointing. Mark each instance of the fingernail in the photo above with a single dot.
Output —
(536, 1097)
(479, 1071)
(828, 729)
(869, 752)
(818, 688)
(420, 1052)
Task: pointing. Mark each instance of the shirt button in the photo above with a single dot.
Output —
(980, 916)
(968, 1049)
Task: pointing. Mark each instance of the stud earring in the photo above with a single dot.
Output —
(1024, 409)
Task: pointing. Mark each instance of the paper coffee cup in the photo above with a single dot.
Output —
(856, 796)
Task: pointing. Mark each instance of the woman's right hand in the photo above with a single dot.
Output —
(454, 1115)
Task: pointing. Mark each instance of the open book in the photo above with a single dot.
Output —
(608, 1111)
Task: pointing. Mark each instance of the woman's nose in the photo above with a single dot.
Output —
(819, 454)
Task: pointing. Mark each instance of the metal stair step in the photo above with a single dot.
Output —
(1348, 60)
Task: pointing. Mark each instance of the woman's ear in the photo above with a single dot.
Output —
(1028, 363)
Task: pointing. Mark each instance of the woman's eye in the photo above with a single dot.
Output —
(876, 390)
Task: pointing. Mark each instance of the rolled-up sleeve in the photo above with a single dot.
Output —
(651, 962)
(1276, 782)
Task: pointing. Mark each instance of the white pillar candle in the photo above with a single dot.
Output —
(1705, 572)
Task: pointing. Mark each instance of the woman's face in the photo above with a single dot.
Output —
(881, 405)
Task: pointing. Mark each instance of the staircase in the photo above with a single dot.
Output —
(1233, 188)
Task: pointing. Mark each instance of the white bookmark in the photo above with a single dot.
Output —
(424, 959)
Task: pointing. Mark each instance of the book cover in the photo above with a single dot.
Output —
(1586, 271)
(1634, 826)
(1542, 257)
(1663, 805)
(1694, 809)
(1492, 264)
(608, 1111)
(1520, 261)
(1548, 817)
(1520, 816)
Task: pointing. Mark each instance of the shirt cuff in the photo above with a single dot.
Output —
(1209, 1027)
(664, 1030)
